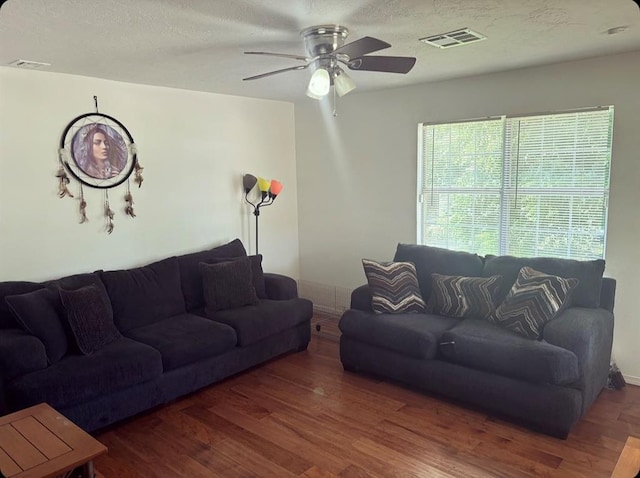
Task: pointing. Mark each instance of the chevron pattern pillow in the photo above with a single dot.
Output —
(394, 287)
(534, 299)
(459, 296)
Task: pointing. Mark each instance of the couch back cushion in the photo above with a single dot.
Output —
(429, 260)
(191, 279)
(588, 273)
(145, 295)
(7, 318)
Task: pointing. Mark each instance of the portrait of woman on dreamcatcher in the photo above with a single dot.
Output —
(99, 151)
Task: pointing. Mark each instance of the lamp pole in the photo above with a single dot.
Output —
(256, 213)
(269, 190)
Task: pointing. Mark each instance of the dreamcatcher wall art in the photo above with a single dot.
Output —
(99, 152)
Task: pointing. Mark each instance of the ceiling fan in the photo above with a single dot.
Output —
(327, 53)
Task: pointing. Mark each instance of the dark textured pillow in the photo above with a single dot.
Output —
(190, 277)
(535, 299)
(227, 285)
(459, 296)
(39, 313)
(89, 318)
(257, 274)
(429, 260)
(77, 281)
(394, 287)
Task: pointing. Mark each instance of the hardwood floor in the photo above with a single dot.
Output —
(303, 416)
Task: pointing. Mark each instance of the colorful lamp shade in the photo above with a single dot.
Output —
(263, 185)
(249, 181)
(276, 187)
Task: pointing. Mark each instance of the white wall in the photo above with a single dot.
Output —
(194, 148)
(357, 172)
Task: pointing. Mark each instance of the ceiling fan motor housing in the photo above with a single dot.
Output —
(324, 39)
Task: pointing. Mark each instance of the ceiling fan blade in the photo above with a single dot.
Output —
(283, 55)
(388, 64)
(362, 47)
(275, 72)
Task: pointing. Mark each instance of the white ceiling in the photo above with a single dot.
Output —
(199, 44)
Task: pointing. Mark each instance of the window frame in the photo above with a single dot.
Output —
(507, 187)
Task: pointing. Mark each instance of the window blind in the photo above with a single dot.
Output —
(534, 185)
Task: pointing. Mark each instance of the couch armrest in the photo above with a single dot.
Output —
(589, 334)
(608, 293)
(361, 298)
(20, 353)
(280, 287)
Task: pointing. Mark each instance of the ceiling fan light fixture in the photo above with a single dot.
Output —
(319, 84)
(343, 83)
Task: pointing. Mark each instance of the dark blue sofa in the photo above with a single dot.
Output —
(546, 384)
(168, 348)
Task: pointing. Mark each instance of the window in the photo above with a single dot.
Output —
(525, 186)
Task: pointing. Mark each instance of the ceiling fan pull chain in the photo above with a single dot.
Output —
(335, 103)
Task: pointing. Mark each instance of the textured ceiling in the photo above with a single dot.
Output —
(199, 44)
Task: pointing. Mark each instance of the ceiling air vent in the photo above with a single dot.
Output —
(464, 36)
(28, 64)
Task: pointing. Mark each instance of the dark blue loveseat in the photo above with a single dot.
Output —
(545, 384)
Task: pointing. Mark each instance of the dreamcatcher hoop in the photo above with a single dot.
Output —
(98, 150)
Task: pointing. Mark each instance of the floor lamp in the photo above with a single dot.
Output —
(269, 191)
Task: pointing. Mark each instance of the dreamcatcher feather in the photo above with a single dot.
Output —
(128, 201)
(83, 207)
(108, 213)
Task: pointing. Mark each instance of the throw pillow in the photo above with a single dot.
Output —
(394, 287)
(39, 313)
(534, 299)
(227, 285)
(89, 318)
(257, 274)
(459, 296)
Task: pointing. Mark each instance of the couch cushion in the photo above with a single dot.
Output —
(90, 318)
(7, 318)
(146, 294)
(227, 285)
(415, 335)
(191, 280)
(483, 346)
(460, 296)
(430, 259)
(588, 273)
(534, 300)
(394, 287)
(185, 339)
(78, 378)
(256, 322)
(40, 313)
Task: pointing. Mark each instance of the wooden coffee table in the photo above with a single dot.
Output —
(39, 442)
(628, 464)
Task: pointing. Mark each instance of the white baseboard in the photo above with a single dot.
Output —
(631, 379)
(326, 298)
